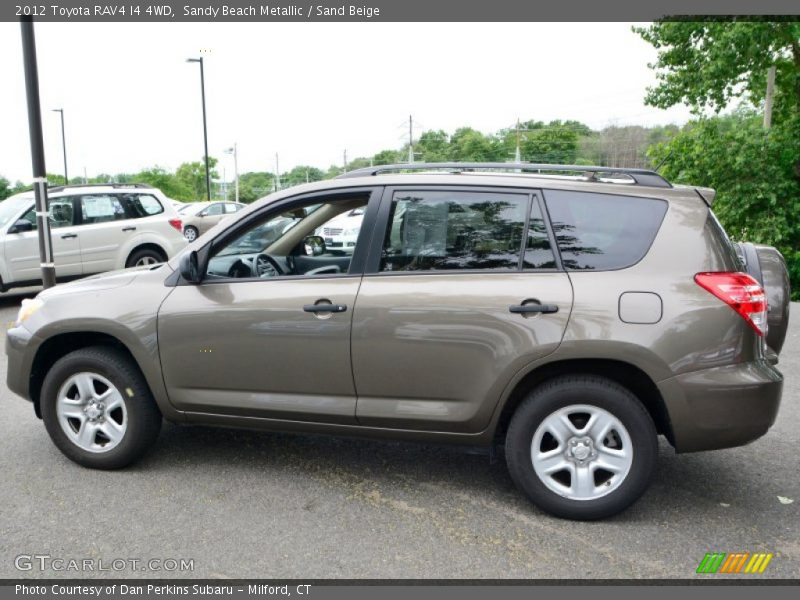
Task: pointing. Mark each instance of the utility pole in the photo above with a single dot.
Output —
(37, 152)
(345, 161)
(518, 153)
(769, 97)
(63, 144)
(277, 174)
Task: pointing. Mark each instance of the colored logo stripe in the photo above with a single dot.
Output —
(721, 562)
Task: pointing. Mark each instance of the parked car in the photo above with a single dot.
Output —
(199, 217)
(569, 314)
(94, 228)
(341, 233)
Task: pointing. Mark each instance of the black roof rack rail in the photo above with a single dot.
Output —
(58, 188)
(638, 176)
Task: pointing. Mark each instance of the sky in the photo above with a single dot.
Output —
(307, 91)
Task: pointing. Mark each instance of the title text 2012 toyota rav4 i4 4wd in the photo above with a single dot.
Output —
(572, 318)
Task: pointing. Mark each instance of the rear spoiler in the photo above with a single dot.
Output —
(707, 194)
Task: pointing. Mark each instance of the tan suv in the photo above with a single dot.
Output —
(569, 314)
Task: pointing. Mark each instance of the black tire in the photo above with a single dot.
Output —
(595, 391)
(193, 233)
(144, 254)
(142, 414)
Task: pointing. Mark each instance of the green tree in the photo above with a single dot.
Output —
(166, 182)
(710, 63)
(387, 157)
(433, 146)
(255, 185)
(301, 174)
(5, 188)
(192, 176)
(469, 145)
(756, 172)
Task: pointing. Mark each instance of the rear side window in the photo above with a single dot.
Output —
(602, 232)
(142, 205)
(100, 208)
(454, 230)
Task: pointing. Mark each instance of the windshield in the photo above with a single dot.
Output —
(10, 207)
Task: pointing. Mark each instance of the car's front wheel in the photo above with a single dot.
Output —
(582, 447)
(98, 409)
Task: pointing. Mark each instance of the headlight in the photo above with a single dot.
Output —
(28, 308)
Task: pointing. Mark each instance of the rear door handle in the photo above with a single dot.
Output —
(331, 308)
(533, 308)
(67, 236)
(129, 228)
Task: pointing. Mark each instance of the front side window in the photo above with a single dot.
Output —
(454, 230)
(597, 232)
(290, 243)
(214, 210)
(61, 214)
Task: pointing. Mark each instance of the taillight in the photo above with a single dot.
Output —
(177, 224)
(742, 293)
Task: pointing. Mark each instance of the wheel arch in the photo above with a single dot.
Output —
(147, 246)
(59, 345)
(626, 374)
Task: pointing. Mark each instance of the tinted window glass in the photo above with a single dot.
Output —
(602, 231)
(454, 230)
(141, 205)
(538, 253)
(214, 209)
(99, 208)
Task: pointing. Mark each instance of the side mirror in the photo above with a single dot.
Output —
(189, 268)
(314, 245)
(202, 214)
(20, 226)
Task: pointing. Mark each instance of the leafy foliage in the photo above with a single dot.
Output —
(755, 171)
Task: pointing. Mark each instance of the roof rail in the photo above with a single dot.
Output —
(638, 176)
(58, 188)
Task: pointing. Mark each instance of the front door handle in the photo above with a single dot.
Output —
(325, 308)
(129, 228)
(67, 236)
(533, 308)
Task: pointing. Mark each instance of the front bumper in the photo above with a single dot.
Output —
(18, 342)
(722, 407)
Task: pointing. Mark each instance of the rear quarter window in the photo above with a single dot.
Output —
(141, 205)
(603, 232)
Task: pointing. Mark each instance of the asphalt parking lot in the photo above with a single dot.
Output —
(246, 504)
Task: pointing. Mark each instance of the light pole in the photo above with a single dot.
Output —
(37, 152)
(205, 127)
(63, 143)
(235, 153)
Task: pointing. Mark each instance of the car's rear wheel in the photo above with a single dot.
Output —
(582, 447)
(145, 257)
(98, 409)
(190, 233)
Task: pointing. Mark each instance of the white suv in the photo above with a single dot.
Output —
(94, 228)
